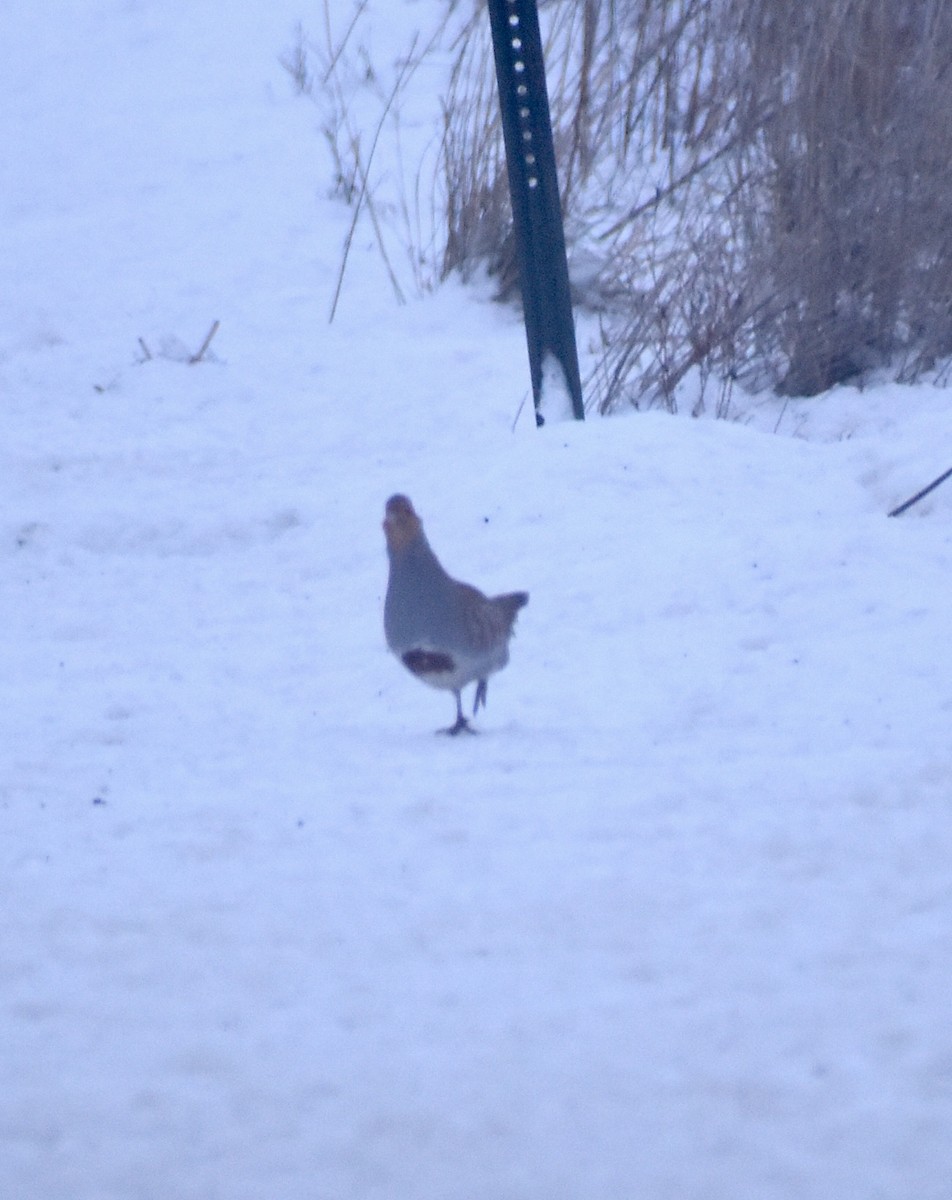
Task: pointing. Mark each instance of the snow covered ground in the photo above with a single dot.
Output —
(676, 926)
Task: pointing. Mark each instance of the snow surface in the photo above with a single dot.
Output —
(676, 926)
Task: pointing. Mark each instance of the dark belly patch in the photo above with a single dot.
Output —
(428, 662)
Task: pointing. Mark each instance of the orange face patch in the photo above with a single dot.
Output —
(401, 524)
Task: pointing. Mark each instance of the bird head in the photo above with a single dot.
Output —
(400, 524)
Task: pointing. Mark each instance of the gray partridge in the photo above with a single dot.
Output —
(448, 634)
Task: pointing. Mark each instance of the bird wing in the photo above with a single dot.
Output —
(488, 622)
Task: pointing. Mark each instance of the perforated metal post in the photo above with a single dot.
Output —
(534, 189)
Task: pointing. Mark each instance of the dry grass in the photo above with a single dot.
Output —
(754, 192)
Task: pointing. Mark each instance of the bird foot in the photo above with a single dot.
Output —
(461, 726)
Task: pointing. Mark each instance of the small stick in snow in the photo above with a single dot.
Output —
(204, 346)
(897, 512)
(145, 350)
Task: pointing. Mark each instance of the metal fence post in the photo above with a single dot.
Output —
(534, 189)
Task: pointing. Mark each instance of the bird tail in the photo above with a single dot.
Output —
(511, 603)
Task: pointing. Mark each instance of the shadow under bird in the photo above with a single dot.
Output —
(446, 633)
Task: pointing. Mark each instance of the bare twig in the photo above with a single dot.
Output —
(200, 354)
(405, 70)
(334, 53)
(897, 512)
(662, 194)
(367, 194)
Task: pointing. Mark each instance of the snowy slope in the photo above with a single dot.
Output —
(677, 925)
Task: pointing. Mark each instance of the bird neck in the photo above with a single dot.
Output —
(417, 558)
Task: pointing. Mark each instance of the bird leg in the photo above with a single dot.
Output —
(461, 724)
(480, 699)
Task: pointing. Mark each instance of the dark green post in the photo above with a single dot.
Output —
(534, 189)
